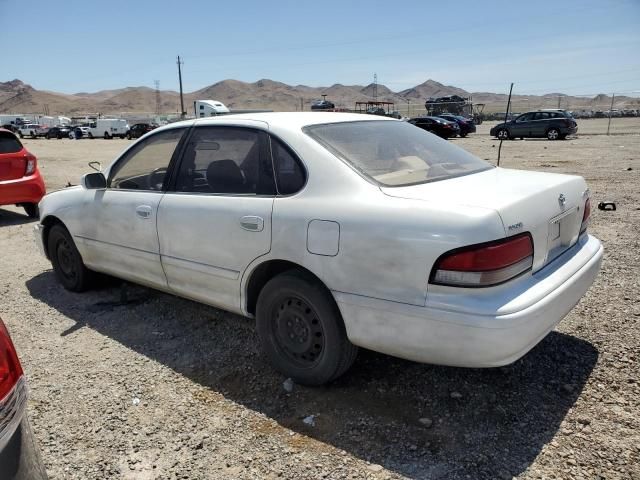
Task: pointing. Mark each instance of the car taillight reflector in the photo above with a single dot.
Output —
(585, 216)
(484, 264)
(10, 368)
(31, 164)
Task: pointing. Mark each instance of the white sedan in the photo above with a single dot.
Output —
(334, 231)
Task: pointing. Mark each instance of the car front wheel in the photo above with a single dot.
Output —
(66, 261)
(553, 134)
(301, 329)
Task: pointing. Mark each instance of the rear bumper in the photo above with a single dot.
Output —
(20, 458)
(22, 190)
(494, 330)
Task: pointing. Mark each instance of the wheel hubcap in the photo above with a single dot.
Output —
(298, 331)
(553, 134)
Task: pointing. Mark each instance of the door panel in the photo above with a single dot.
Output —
(217, 219)
(122, 242)
(119, 234)
(207, 241)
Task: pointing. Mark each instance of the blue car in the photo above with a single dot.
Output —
(466, 125)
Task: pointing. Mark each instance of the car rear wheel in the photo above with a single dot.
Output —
(301, 329)
(503, 134)
(66, 260)
(31, 209)
(106, 136)
(128, 136)
(553, 134)
(48, 136)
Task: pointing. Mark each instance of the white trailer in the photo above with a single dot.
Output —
(209, 108)
(49, 122)
(109, 128)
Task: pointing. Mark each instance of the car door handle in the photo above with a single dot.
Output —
(252, 223)
(143, 211)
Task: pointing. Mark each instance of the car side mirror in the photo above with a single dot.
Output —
(93, 181)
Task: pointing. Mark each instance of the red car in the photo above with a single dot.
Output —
(20, 180)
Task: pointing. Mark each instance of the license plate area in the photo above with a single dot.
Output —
(563, 233)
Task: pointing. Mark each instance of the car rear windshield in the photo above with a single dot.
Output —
(395, 153)
(9, 143)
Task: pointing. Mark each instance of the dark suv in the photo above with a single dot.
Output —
(139, 129)
(552, 124)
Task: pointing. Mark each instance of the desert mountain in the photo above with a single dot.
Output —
(19, 97)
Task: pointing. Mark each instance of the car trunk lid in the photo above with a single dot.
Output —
(549, 206)
(13, 157)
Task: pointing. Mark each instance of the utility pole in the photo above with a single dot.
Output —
(301, 104)
(182, 112)
(375, 87)
(157, 84)
(559, 99)
(613, 96)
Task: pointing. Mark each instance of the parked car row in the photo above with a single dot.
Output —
(102, 128)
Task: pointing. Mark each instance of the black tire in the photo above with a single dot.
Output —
(553, 134)
(106, 136)
(59, 136)
(31, 209)
(67, 262)
(48, 136)
(128, 136)
(301, 329)
(463, 135)
(503, 134)
(34, 134)
(21, 135)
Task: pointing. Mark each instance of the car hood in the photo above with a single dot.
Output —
(526, 201)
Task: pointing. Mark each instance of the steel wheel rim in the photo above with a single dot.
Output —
(502, 134)
(298, 332)
(553, 134)
(66, 259)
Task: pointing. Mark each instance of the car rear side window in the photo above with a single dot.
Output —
(145, 166)
(290, 176)
(395, 153)
(225, 160)
(9, 143)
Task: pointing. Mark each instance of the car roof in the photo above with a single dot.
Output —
(283, 119)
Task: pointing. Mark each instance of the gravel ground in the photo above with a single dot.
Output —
(161, 387)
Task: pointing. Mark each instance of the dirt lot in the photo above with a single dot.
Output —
(166, 388)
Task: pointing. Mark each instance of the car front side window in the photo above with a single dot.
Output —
(145, 166)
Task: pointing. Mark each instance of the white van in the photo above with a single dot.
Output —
(109, 128)
(209, 108)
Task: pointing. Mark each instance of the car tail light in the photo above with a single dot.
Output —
(585, 216)
(13, 390)
(10, 368)
(31, 164)
(485, 264)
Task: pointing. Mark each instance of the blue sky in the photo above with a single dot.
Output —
(567, 46)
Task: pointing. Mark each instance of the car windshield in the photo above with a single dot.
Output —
(395, 153)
